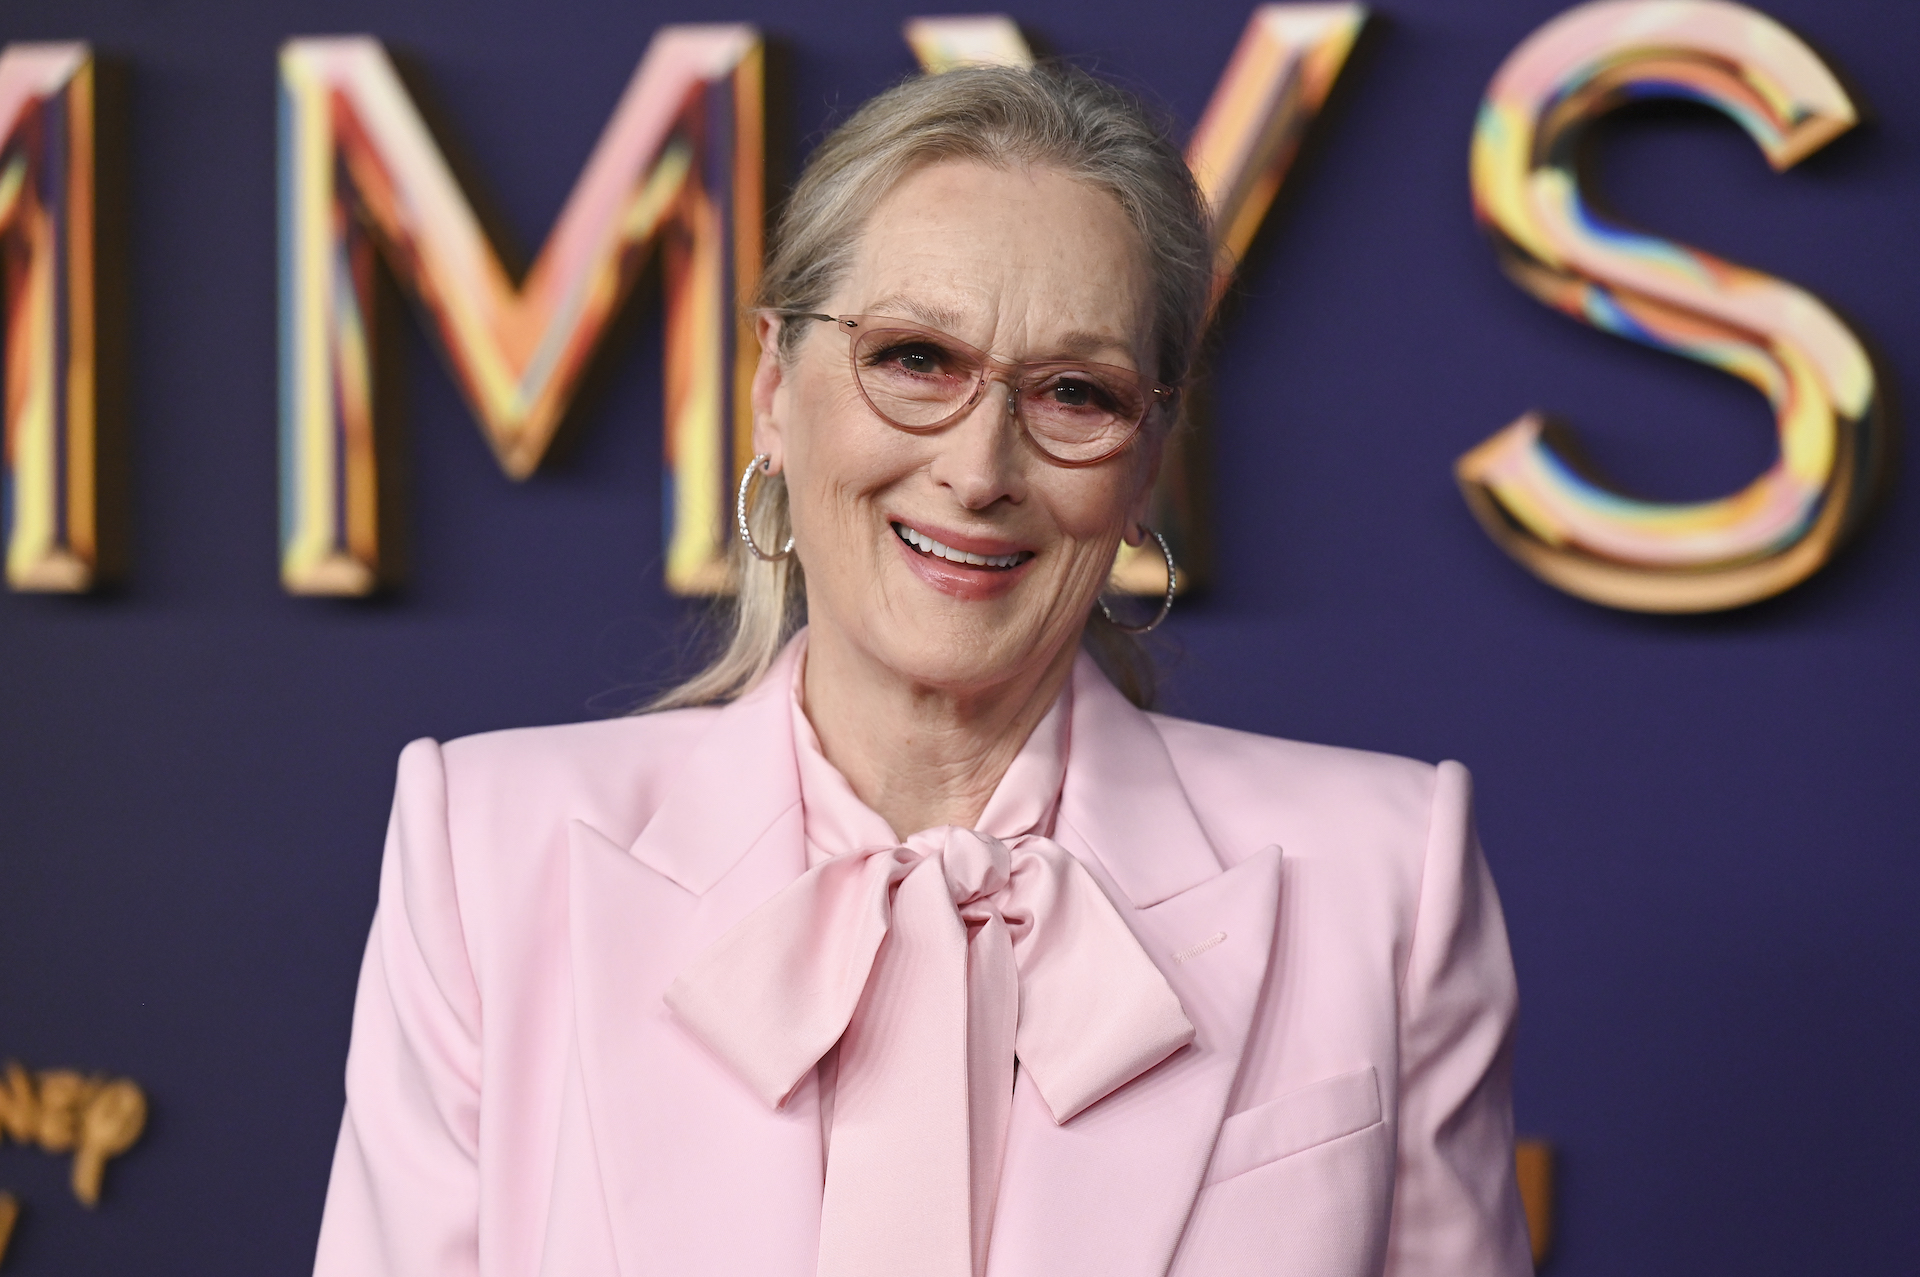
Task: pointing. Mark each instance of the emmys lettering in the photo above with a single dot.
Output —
(679, 173)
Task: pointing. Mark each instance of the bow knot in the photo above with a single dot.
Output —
(977, 866)
(932, 965)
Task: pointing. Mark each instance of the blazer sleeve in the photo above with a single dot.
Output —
(404, 1196)
(1456, 1207)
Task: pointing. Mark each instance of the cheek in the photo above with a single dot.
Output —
(839, 453)
(1096, 504)
(1090, 512)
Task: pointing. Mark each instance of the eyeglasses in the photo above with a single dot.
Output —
(920, 379)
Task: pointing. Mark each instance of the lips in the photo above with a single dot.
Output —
(970, 569)
(929, 547)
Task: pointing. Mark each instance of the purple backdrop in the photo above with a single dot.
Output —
(1700, 827)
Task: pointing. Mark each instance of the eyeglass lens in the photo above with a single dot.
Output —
(918, 378)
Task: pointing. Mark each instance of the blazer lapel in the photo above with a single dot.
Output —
(699, 1176)
(1110, 1191)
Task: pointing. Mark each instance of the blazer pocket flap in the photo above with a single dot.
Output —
(1297, 1121)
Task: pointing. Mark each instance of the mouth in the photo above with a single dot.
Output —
(927, 547)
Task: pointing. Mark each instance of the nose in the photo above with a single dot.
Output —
(979, 457)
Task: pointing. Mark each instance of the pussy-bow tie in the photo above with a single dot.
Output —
(932, 965)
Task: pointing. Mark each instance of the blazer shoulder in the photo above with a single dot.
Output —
(613, 774)
(1222, 752)
(1312, 799)
(612, 742)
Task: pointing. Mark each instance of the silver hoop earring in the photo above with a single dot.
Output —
(1166, 604)
(763, 464)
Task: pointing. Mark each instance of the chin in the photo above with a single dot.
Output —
(940, 646)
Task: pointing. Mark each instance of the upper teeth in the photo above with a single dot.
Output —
(923, 542)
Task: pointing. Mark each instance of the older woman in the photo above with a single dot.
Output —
(902, 943)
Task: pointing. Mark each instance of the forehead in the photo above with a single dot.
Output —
(1018, 254)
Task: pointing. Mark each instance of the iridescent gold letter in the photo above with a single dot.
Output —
(1277, 81)
(1572, 531)
(47, 232)
(680, 163)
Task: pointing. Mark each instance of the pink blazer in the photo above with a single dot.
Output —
(520, 1102)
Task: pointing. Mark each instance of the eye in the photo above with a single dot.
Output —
(1072, 394)
(1078, 393)
(915, 358)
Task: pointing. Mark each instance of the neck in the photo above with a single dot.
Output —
(921, 755)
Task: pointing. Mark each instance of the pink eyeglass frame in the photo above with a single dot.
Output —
(1153, 394)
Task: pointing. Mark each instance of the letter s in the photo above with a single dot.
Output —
(1573, 532)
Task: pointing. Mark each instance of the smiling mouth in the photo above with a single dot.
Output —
(932, 549)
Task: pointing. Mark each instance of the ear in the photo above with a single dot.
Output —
(1151, 452)
(769, 392)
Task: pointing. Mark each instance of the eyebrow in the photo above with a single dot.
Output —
(904, 307)
(1078, 344)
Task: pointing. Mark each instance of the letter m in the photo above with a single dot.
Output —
(49, 331)
(680, 166)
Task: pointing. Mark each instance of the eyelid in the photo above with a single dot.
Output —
(893, 338)
(1098, 375)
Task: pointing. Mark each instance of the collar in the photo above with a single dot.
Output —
(1121, 794)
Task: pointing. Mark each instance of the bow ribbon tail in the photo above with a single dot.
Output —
(898, 1185)
(993, 1017)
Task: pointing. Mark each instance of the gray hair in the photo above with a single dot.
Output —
(1052, 116)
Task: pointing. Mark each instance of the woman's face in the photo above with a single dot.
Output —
(1026, 264)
